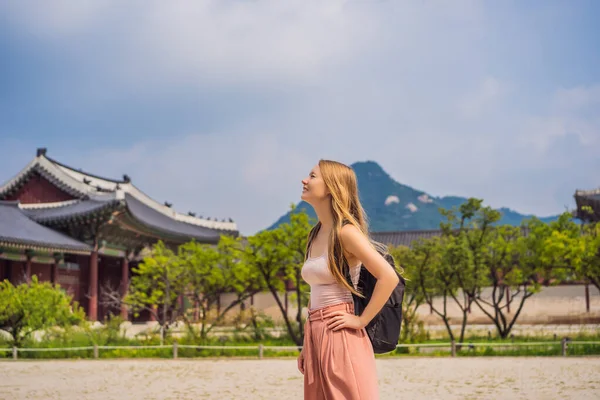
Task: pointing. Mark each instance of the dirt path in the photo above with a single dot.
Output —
(403, 378)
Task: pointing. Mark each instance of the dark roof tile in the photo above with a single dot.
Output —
(157, 220)
(79, 208)
(404, 238)
(143, 214)
(17, 229)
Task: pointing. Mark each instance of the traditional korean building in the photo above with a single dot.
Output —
(85, 232)
(404, 238)
(588, 198)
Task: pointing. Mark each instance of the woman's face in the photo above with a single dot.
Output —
(313, 187)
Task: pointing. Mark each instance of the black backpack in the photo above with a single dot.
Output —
(384, 328)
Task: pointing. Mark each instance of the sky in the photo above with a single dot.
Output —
(222, 107)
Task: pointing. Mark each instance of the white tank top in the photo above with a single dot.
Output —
(324, 289)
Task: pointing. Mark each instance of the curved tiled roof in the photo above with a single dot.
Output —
(160, 222)
(408, 238)
(403, 238)
(144, 216)
(69, 210)
(590, 194)
(85, 186)
(17, 230)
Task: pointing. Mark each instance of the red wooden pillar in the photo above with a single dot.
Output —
(93, 289)
(28, 267)
(4, 272)
(54, 270)
(124, 286)
(16, 272)
(10, 265)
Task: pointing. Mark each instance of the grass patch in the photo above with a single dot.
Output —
(233, 346)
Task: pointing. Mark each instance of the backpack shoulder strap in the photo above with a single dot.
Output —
(311, 236)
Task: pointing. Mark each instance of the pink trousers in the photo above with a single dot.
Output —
(338, 365)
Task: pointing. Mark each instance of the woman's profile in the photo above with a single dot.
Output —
(337, 358)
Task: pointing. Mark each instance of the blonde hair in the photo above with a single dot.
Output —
(341, 182)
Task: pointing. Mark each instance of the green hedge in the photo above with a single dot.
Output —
(83, 339)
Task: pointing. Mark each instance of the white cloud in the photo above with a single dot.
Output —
(580, 98)
(488, 94)
(573, 112)
(204, 43)
(412, 85)
(56, 20)
(248, 178)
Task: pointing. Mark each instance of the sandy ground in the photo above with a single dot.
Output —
(404, 378)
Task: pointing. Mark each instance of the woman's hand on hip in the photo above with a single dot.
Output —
(341, 320)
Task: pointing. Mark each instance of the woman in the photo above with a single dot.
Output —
(337, 358)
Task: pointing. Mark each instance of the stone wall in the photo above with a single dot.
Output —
(552, 305)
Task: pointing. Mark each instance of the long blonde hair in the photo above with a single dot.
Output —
(341, 182)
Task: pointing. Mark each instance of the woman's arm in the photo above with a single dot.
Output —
(301, 355)
(358, 245)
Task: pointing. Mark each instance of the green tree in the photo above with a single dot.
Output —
(294, 237)
(518, 261)
(559, 245)
(213, 271)
(34, 306)
(576, 248)
(412, 328)
(500, 265)
(267, 255)
(509, 278)
(277, 256)
(157, 286)
(467, 232)
(433, 277)
(588, 267)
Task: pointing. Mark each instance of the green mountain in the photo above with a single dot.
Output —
(392, 206)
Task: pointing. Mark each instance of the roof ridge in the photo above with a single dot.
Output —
(590, 192)
(125, 179)
(184, 218)
(56, 204)
(407, 231)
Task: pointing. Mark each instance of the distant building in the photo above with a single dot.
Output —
(84, 231)
(404, 238)
(588, 198)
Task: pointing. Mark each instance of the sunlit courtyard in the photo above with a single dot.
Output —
(401, 378)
